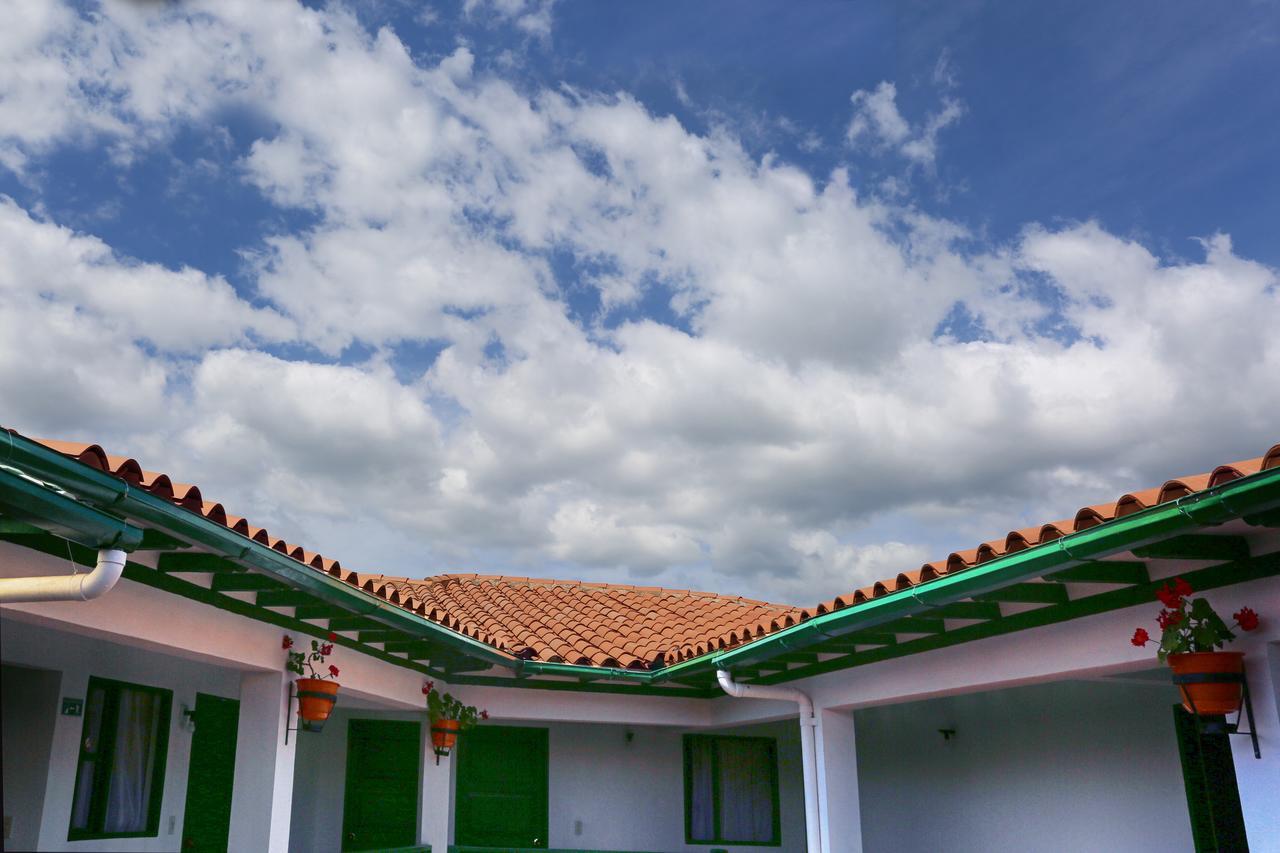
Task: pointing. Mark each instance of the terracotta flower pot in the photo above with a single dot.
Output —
(444, 734)
(316, 698)
(1213, 697)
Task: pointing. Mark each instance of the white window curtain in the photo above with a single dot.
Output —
(746, 790)
(702, 789)
(129, 789)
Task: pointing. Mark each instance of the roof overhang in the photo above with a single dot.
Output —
(50, 500)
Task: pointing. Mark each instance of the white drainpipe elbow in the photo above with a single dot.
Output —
(77, 587)
(808, 745)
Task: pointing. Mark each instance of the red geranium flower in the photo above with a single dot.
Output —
(427, 687)
(326, 649)
(1182, 588)
(484, 715)
(1246, 618)
(333, 670)
(1169, 598)
(287, 642)
(1168, 618)
(1140, 637)
(332, 636)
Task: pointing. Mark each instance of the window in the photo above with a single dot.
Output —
(123, 746)
(730, 790)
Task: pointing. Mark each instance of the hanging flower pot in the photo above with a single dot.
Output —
(449, 718)
(317, 690)
(444, 735)
(1209, 697)
(1192, 633)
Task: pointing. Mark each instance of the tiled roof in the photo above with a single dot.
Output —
(614, 625)
(587, 624)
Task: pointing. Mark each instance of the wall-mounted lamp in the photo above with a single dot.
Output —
(188, 718)
(947, 734)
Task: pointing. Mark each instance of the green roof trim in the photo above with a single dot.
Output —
(90, 507)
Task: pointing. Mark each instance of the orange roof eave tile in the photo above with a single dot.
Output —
(621, 625)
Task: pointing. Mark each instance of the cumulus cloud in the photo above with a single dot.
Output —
(793, 422)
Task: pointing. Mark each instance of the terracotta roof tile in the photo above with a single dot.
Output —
(621, 625)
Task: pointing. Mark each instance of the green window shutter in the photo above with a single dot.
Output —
(380, 805)
(731, 790)
(125, 725)
(502, 787)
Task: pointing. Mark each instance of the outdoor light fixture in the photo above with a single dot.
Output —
(947, 734)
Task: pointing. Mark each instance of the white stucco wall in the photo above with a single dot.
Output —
(1080, 766)
(77, 658)
(627, 796)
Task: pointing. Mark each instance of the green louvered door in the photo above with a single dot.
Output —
(207, 816)
(502, 787)
(380, 807)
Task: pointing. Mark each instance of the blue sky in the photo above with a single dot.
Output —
(765, 297)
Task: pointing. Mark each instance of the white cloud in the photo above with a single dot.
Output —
(792, 443)
(876, 118)
(533, 17)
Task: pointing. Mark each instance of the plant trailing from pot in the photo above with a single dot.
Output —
(318, 686)
(449, 717)
(1192, 635)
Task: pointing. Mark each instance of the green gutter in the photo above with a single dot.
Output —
(23, 499)
(110, 492)
(1247, 495)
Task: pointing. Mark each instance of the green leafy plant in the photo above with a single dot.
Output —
(305, 663)
(1191, 625)
(444, 706)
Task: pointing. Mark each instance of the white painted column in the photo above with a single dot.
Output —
(262, 800)
(435, 816)
(838, 806)
(1259, 779)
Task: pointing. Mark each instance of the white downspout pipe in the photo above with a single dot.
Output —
(808, 745)
(77, 587)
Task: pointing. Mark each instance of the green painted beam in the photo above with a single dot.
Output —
(196, 563)
(863, 638)
(244, 582)
(352, 623)
(381, 636)
(1028, 593)
(1109, 571)
(319, 611)
(1270, 518)
(914, 625)
(1212, 577)
(154, 540)
(286, 598)
(966, 610)
(797, 657)
(1196, 546)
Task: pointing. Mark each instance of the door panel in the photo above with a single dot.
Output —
(502, 787)
(207, 816)
(1209, 773)
(380, 807)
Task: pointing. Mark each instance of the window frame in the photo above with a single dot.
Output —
(772, 747)
(104, 759)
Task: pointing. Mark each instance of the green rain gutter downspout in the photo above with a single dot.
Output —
(1252, 494)
(106, 490)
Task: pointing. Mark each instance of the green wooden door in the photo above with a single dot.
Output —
(1209, 773)
(207, 815)
(380, 807)
(502, 787)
